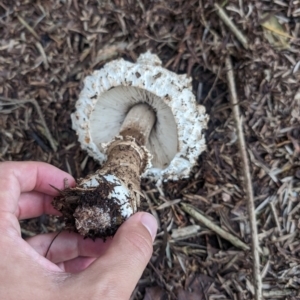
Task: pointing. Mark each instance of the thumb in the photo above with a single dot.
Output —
(115, 274)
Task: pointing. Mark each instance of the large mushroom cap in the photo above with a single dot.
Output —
(176, 139)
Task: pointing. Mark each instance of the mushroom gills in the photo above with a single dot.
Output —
(113, 106)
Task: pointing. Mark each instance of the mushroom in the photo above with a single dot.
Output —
(137, 120)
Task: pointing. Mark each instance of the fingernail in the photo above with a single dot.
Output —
(150, 223)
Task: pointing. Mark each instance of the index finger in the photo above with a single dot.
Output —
(18, 177)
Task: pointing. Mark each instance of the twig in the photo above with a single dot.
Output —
(153, 211)
(274, 294)
(275, 215)
(27, 232)
(238, 34)
(44, 56)
(209, 224)
(28, 27)
(247, 179)
(213, 86)
(39, 111)
(276, 31)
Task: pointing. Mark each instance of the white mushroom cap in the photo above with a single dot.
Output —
(176, 139)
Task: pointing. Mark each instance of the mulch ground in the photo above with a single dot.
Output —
(48, 47)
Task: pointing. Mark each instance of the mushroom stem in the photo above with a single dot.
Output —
(138, 123)
(100, 202)
(127, 158)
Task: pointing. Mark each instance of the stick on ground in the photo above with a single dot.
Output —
(238, 34)
(247, 179)
(217, 229)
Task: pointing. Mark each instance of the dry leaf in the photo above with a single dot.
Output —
(275, 33)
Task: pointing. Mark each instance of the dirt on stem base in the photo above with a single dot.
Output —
(93, 207)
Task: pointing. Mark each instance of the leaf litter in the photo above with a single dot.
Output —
(47, 48)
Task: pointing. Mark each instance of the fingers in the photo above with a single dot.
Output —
(117, 272)
(34, 204)
(18, 177)
(67, 246)
(77, 264)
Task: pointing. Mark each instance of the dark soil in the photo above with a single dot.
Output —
(73, 198)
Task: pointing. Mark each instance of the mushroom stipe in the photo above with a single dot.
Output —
(135, 126)
(101, 202)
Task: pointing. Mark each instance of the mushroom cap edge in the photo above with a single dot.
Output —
(175, 90)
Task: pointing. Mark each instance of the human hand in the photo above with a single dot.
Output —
(75, 268)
